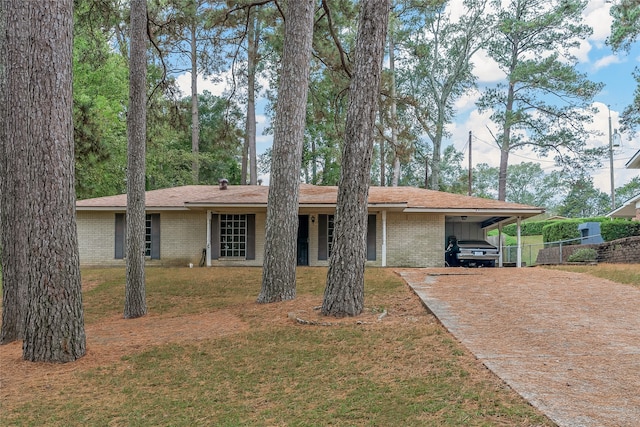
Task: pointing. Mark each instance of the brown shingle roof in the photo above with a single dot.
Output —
(210, 195)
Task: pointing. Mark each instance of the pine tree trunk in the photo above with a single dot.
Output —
(14, 172)
(252, 38)
(394, 113)
(135, 304)
(54, 326)
(279, 274)
(195, 114)
(344, 294)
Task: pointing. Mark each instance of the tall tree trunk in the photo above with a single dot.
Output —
(14, 125)
(437, 150)
(396, 169)
(279, 273)
(195, 114)
(250, 135)
(383, 166)
(135, 304)
(506, 144)
(344, 294)
(54, 326)
(394, 113)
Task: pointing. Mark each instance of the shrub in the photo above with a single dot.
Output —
(583, 255)
(530, 228)
(618, 229)
(562, 230)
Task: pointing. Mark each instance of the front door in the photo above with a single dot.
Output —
(303, 239)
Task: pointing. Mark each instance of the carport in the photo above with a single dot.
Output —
(475, 226)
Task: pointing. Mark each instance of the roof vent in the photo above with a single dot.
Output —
(223, 182)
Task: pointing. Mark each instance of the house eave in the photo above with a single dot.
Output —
(488, 212)
(124, 208)
(634, 162)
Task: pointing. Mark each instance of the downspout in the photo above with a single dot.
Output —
(208, 238)
(519, 250)
(384, 238)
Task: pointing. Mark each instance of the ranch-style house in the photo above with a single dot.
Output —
(225, 225)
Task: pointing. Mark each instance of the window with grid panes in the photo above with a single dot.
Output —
(330, 224)
(147, 236)
(233, 235)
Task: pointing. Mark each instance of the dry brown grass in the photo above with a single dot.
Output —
(621, 273)
(207, 354)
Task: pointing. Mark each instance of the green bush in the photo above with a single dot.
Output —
(530, 228)
(619, 229)
(562, 230)
(583, 255)
(568, 229)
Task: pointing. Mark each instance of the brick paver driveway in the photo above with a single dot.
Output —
(568, 343)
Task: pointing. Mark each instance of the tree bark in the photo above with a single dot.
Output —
(135, 304)
(14, 126)
(54, 325)
(252, 48)
(279, 274)
(344, 294)
(195, 114)
(394, 113)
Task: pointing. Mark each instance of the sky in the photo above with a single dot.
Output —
(596, 60)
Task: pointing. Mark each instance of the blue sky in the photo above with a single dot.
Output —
(597, 60)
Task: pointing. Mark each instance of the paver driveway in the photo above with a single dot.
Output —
(568, 343)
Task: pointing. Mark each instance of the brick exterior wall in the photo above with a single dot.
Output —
(623, 251)
(183, 235)
(415, 240)
(96, 238)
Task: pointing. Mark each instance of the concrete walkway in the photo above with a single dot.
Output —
(568, 343)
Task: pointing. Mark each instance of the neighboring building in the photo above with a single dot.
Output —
(407, 227)
(630, 208)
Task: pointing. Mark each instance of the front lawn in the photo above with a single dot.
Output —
(207, 354)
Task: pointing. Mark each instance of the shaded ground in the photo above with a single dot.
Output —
(568, 343)
(114, 338)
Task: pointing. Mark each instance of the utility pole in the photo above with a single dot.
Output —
(470, 167)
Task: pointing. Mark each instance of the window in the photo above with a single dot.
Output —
(147, 236)
(330, 226)
(151, 236)
(326, 226)
(233, 236)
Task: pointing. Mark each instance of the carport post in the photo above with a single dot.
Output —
(208, 238)
(519, 247)
(384, 238)
(500, 245)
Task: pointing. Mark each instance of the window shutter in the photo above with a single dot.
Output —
(371, 238)
(251, 237)
(155, 236)
(322, 237)
(215, 236)
(119, 235)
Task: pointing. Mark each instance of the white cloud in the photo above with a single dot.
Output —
(486, 69)
(215, 87)
(597, 16)
(605, 61)
(467, 101)
(582, 51)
